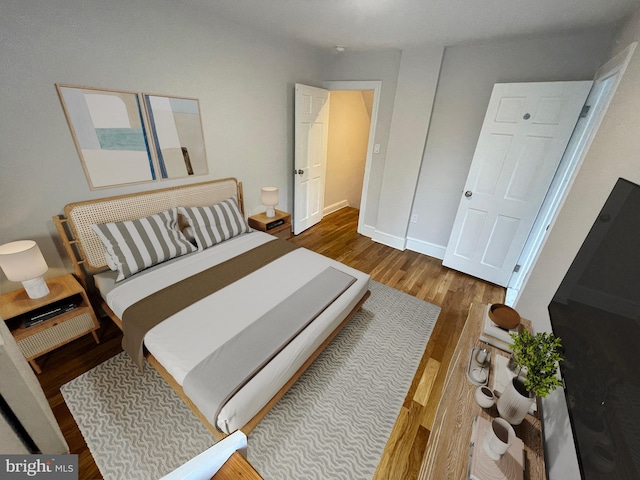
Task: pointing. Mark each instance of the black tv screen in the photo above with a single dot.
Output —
(596, 313)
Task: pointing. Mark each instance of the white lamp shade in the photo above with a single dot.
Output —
(22, 260)
(269, 196)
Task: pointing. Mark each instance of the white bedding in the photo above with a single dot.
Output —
(183, 340)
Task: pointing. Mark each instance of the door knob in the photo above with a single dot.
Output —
(468, 193)
(299, 172)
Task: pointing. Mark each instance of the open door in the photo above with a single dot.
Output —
(605, 83)
(311, 134)
(524, 135)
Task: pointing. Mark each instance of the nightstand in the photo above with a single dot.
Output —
(67, 314)
(279, 225)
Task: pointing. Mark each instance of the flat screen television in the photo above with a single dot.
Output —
(596, 313)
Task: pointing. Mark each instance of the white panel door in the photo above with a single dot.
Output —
(311, 134)
(525, 132)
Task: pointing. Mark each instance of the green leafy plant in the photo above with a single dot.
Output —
(538, 354)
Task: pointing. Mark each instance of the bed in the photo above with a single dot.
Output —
(239, 316)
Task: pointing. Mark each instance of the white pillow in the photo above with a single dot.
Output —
(134, 245)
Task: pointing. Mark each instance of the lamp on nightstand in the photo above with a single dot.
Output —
(23, 262)
(269, 198)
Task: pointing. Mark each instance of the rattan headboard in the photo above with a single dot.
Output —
(83, 245)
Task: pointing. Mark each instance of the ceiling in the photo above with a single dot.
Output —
(370, 24)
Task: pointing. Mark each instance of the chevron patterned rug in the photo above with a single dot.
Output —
(332, 424)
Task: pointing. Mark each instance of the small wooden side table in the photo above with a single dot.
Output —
(279, 225)
(58, 330)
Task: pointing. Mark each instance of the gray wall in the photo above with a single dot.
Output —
(243, 79)
(415, 94)
(466, 79)
(247, 104)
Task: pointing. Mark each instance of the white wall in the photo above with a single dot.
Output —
(466, 80)
(614, 153)
(243, 79)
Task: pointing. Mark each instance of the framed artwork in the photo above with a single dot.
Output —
(176, 131)
(108, 128)
(127, 137)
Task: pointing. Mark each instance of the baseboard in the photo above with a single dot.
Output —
(389, 240)
(426, 248)
(367, 230)
(335, 207)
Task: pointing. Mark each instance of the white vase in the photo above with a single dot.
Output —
(515, 401)
(499, 438)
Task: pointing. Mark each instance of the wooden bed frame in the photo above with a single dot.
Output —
(87, 255)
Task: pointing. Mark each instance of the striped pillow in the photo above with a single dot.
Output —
(215, 224)
(138, 244)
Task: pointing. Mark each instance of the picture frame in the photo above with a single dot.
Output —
(110, 134)
(177, 135)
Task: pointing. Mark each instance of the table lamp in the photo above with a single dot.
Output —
(269, 199)
(23, 262)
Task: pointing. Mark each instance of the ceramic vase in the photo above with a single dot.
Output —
(515, 401)
(498, 439)
(484, 397)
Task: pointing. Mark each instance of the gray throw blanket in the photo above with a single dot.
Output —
(212, 383)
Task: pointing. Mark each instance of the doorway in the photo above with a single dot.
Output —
(351, 145)
(349, 123)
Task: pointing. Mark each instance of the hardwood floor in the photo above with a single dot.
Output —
(335, 237)
(425, 278)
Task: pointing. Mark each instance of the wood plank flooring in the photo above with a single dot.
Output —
(335, 237)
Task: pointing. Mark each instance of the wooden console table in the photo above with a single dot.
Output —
(447, 452)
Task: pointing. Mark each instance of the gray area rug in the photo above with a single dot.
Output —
(332, 424)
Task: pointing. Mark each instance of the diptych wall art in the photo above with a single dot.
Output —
(129, 137)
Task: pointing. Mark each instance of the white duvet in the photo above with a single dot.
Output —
(183, 340)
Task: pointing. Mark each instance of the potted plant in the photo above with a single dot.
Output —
(537, 358)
